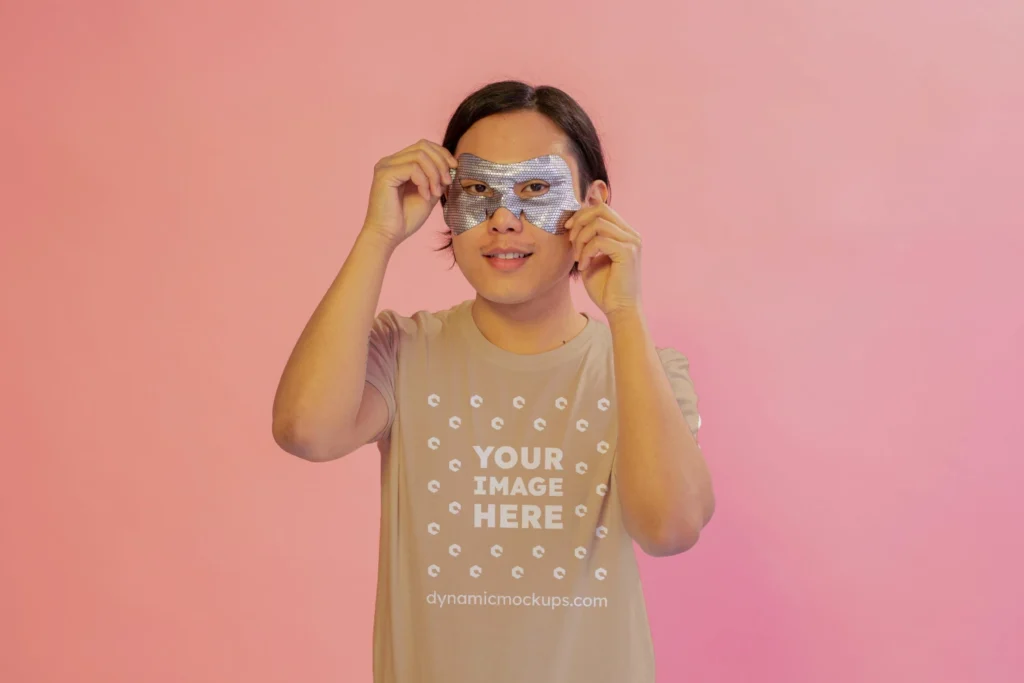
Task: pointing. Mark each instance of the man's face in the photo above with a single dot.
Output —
(540, 260)
(539, 190)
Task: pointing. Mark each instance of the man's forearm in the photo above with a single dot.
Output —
(321, 388)
(664, 483)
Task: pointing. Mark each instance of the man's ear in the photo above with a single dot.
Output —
(597, 193)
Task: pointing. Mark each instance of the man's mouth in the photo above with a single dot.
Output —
(509, 256)
(507, 259)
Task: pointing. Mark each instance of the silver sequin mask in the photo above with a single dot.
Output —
(549, 211)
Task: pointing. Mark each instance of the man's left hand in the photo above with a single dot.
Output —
(608, 252)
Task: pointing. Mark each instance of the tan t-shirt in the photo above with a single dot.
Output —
(503, 557)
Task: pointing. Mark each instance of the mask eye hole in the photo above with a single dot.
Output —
(532, 188)
(474, 188)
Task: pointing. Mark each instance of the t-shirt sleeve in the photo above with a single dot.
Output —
(382, 362)
(677, 367)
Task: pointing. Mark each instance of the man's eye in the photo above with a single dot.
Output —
(476, 188)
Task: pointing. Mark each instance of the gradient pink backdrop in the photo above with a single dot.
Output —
(830, 194)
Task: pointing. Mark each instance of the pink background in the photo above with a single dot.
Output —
(830, 195)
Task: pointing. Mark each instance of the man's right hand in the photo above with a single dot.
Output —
(406, 188)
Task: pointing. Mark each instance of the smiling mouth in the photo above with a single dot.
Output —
(509, 257)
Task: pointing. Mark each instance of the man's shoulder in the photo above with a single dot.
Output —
(421, 324)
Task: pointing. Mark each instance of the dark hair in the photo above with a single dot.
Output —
(511, 96)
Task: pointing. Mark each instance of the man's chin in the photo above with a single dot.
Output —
(502, 290)
(506, 296)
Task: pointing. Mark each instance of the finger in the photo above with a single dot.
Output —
(610, 215)
(584, 232)
(615, 250)
(449, 161)
(427, 164)
(602, 210)
(410, 173)
(580, 235)
(430, 166)
(581, 217)
(593, 249)
(441, 158)
(587, 214)
(428, 144)
(604, 228)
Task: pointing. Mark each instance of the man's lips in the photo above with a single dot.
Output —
(508, 250)
(507, 259)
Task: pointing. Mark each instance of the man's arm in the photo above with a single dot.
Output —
(664, 484)
(324, 408)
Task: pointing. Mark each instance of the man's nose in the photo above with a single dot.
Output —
(504, 221)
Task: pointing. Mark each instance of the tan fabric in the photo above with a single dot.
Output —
(503, 558)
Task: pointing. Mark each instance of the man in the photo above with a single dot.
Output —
(525, 446)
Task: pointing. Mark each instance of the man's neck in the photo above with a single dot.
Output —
(542, 324)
